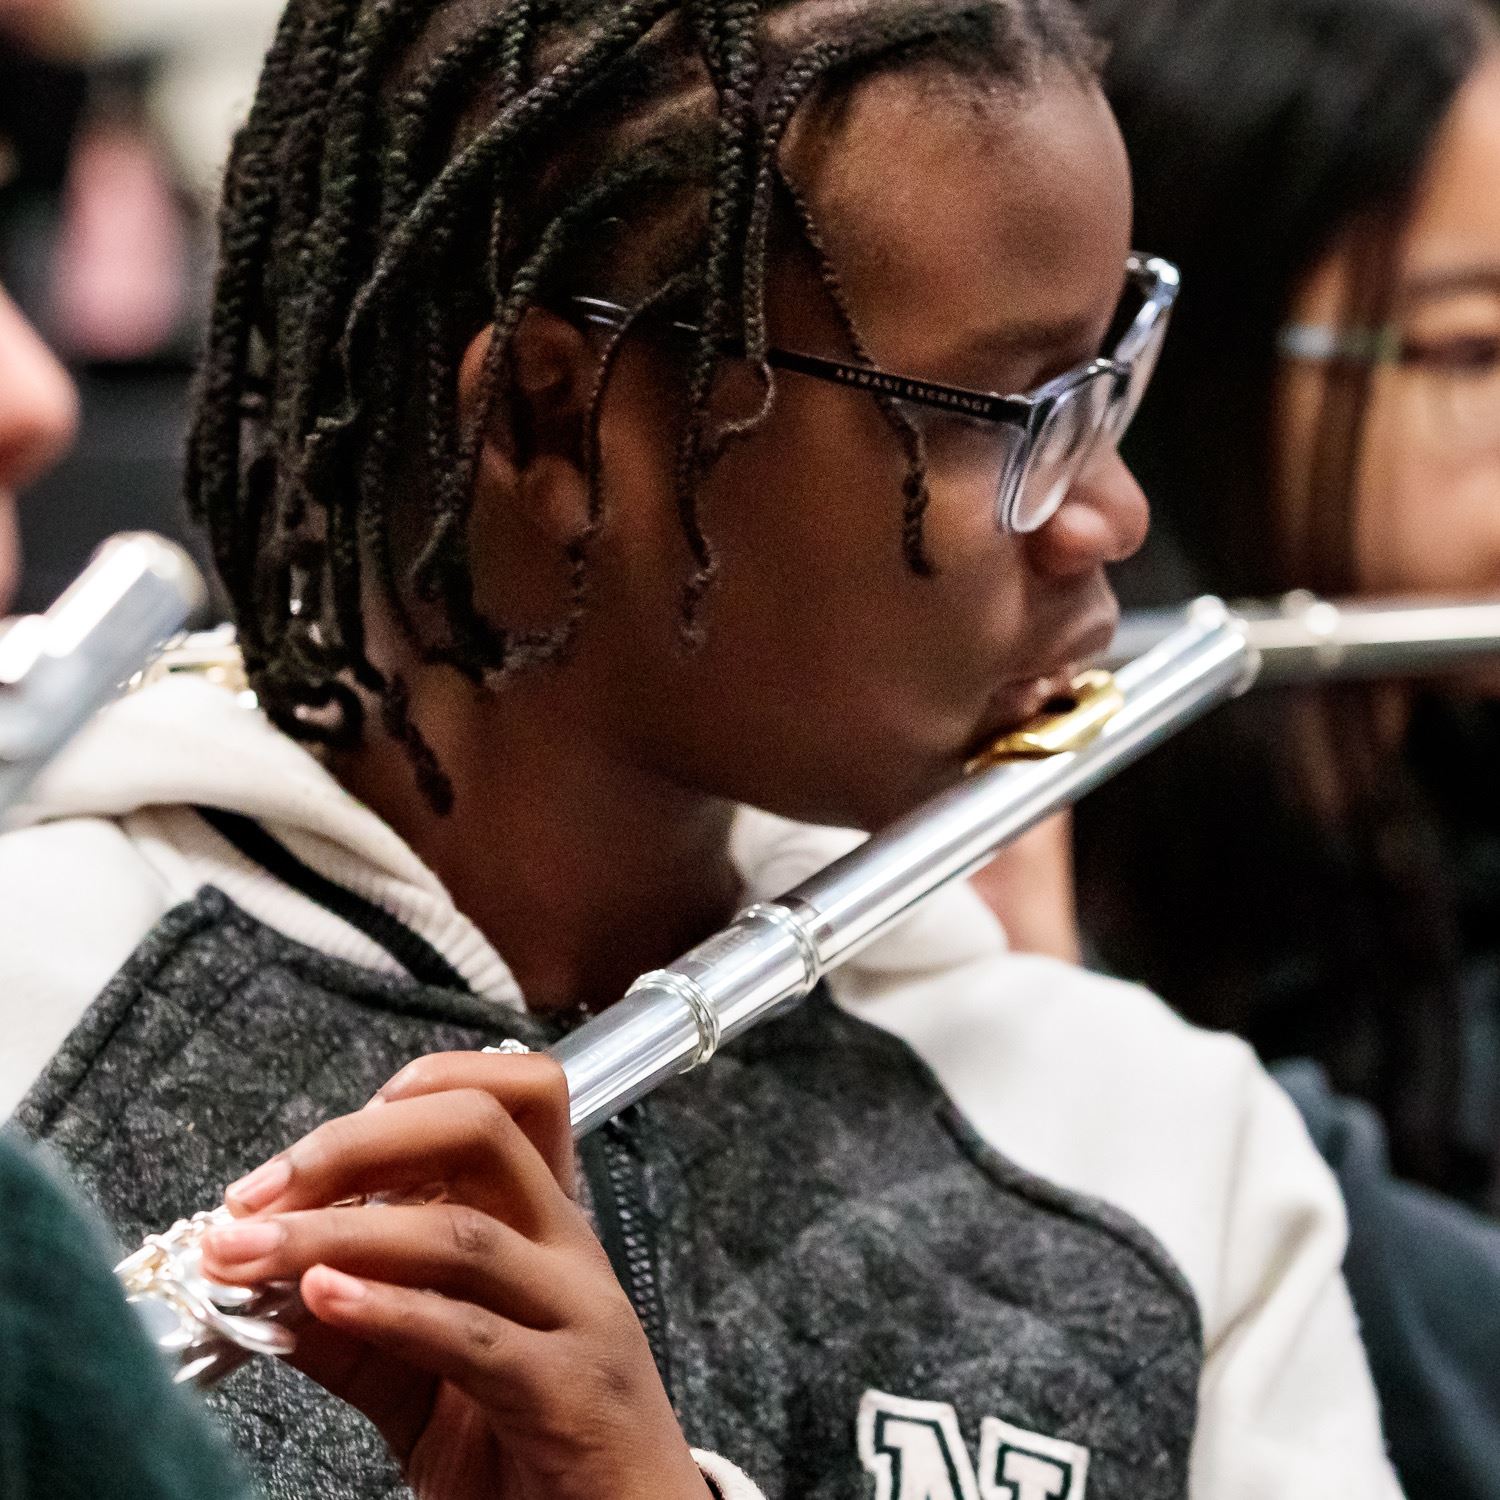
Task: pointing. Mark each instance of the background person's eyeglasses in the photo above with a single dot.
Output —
(1061, 426)
(1458, 369)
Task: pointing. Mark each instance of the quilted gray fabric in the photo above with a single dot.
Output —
(824, 1228)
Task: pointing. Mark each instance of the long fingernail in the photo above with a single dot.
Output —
(246, 1242)
(262, 1186)
(337, 1287)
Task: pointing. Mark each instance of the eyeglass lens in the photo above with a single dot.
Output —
(1140, 378)
(1066, 442)
(1095, 411)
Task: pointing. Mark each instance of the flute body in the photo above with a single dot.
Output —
(1304, 639)
(770, 958)
(58, 669)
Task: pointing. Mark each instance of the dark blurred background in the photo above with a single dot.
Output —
(115, 116)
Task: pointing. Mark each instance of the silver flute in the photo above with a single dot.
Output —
(58, 669)
(771, 956)
(1304, 639)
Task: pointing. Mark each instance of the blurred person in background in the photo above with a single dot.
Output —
(207, 57)
(38, 414)
(1328, 173)
(1327, 416)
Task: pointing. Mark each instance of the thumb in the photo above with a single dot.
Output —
(394, 1395)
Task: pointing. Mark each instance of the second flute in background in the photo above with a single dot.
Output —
(58, 669)
(1304, 639)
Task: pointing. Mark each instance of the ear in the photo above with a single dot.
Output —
(531, 459)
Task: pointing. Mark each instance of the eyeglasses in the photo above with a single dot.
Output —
(1058, 428)
(1460, 372)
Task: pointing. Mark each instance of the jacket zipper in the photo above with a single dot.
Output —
(619, 1204)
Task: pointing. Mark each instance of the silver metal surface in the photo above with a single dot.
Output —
(208, 1331)
(1303, 639)
(775, 953)
(58, 669)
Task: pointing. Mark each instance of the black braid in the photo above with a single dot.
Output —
(914, 488)
(728, 30)
(565, 86)
(481, 651)
(415, 172)
(247, 226)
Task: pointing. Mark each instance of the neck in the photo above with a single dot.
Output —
(583, 871)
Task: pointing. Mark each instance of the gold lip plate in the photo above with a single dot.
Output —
(1096, 700)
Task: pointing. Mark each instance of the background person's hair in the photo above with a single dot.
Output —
(412, 173)
(1275, 871)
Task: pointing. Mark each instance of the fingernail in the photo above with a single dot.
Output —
(262, 1186)
(378, 1099)
(244, 1242)
(337, 1287)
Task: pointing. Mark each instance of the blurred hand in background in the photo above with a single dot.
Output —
(1030, 888)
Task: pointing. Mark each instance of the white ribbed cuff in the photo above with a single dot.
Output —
(725, 1478)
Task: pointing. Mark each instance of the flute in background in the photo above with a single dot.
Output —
(1304, 639)
(58, 669)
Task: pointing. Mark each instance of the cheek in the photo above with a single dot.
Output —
(824, 541)
(846, 685)
(1429, 520)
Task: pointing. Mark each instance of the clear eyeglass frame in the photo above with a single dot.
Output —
(1460, 377)
(1059, 428)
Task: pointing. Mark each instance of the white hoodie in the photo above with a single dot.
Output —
(1081, 1080)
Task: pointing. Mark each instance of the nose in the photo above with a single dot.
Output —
(1103, 520)
(38, 406)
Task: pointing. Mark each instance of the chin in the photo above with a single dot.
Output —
(878, 807)
(866, 790)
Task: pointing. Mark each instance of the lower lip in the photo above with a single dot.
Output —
(1029, 700)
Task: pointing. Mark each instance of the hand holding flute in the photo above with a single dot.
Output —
(480, 1333)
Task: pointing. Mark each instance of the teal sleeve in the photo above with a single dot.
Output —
(1424, 1273)
(87, 1411)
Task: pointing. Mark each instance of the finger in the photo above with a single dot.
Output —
(445, 1247)
(532, 1087)
(464, 1142)
(497, 1362)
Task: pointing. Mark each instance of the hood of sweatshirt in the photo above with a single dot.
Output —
(187, 742)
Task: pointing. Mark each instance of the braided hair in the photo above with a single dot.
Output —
(414, 172)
